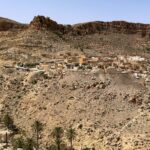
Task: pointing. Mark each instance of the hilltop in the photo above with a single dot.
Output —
(7, 24)
(92, 76)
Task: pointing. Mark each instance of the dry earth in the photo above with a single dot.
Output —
(106, 101)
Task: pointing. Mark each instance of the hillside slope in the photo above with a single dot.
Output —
(7, 24)
(97, 82)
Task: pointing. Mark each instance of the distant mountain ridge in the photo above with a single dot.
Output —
(42, 22)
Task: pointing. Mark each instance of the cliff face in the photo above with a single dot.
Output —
(115, 26)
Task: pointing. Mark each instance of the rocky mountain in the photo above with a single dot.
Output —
(93, 76)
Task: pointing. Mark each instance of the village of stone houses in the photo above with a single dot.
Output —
(137, 66)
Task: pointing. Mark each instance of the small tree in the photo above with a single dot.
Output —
(71, 135)
(37, 127)
(29, 144)
(58, 134)
(8, 122)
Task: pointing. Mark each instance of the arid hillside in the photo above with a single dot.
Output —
(93, 76)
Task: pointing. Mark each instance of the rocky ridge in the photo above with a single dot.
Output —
(42, 22)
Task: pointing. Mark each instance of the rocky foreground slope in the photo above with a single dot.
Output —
(94, 77)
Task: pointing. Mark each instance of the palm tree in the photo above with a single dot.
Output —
(58, 134)
(37, 127)
(71, 135)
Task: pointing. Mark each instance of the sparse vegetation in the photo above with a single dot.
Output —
(25, 144)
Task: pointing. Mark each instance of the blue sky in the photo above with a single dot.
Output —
(75, 11)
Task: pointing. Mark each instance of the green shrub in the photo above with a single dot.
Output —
(8, 122)
(18, 143)
(29, 144)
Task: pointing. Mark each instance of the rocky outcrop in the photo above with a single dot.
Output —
(41, 22)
